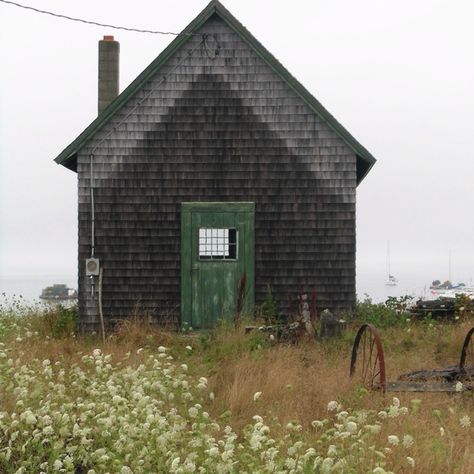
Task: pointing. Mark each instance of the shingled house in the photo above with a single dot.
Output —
(213, 163)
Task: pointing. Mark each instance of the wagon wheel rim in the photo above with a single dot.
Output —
(467, 354)
(368, 359)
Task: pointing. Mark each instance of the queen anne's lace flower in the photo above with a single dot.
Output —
(408, 441)
(465, 421)
(393, 439)
(145, 416)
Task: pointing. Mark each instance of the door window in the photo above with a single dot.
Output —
(218, 244)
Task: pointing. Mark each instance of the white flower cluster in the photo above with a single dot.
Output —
(100, 415)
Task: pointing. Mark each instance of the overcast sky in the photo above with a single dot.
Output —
(398, 75)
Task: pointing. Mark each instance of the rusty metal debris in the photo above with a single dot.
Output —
(437, 309)
(368, 365)
(368, 360)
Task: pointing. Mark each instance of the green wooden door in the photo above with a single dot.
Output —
(217, 248)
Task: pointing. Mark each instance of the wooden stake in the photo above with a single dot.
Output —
(101, 314)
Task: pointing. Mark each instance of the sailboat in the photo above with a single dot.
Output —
(391, 280)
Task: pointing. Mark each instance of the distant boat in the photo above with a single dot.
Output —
(391, 280)
(58, 292)
(448, 290)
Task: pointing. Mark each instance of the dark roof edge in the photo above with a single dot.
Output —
(68, 157)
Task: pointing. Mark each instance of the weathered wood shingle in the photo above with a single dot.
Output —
(224, 128)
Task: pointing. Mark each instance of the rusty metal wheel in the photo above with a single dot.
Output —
(466, 364)
(367, 361)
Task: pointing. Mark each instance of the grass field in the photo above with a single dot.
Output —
(151, 401)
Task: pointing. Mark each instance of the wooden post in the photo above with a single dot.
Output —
(101, 313)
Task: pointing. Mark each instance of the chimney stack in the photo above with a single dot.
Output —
(108, 71)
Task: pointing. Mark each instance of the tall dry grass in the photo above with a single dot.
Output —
(297, 381)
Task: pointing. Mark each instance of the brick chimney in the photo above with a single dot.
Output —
(109, 51)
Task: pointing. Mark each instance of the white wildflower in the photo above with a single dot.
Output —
(441, 431)
(351, 427)
(393, 439)
(410, 461)
(193, 412)
(214, 451)
(162, 350)
(333, 406)
(465, 421)
(189, 348)
(175, 463)
(459, 387)
(408, 441)
(310, 452)
(48, 430)
(332, 451)
(68, 462)
(373, 429)
(256, 396)
(30, 418)
(326, 465)
(341, 415)
(393, 411)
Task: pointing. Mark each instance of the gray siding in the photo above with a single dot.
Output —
(218, 129)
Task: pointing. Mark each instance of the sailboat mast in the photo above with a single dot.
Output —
(388, 258)
(449, 276)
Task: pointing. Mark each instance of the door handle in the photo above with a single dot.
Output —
(194, 268)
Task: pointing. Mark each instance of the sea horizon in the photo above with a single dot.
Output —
(369, 285)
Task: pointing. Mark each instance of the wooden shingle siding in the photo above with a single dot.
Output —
(224, 129)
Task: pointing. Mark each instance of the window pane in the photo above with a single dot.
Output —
(218, 244)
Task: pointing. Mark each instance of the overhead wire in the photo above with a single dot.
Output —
(212, 51)
(94, 23)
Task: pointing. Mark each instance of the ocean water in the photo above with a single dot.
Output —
(370, 283)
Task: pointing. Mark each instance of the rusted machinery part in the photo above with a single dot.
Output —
(467, 353)
(368, 359)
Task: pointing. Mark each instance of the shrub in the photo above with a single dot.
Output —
(57, 322)
(382, 315)
(268, 311)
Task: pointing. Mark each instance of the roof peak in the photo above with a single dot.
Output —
(68, 157)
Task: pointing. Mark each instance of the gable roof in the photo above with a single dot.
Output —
(68, 157)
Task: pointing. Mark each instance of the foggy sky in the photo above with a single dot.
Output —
(398, 75)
